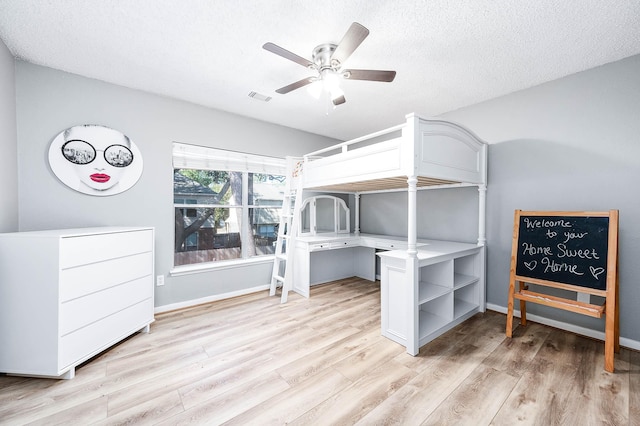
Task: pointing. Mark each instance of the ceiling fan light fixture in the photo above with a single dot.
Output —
(330, 80)
(315, 89)
(337, 93)
(328, 60)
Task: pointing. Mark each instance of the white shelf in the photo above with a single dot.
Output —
(462, 307)
(429, 323)
(462, 280)
(429, 291)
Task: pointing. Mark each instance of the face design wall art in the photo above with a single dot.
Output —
(95, 160)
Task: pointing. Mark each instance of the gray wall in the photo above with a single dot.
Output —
(8, 143)
(49, 101)
(443, 214)
(572, 144)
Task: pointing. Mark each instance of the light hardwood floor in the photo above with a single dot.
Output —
(322, 361)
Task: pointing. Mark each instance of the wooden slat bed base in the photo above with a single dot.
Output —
(399, 182)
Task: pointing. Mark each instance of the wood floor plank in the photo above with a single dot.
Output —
(64, 394)
(322, 360)
(293, 402)
(351, 404)
(240, 373)
(227, 405)
(542, 396)
(148, 412)
(310, 365)
(361, 362)
(599, 397)
(514, 355)
(446, 365)
(85, 413)
(476, 400)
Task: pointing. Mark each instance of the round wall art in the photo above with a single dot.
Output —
(95, 160)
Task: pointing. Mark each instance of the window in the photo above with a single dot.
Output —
(227, 204)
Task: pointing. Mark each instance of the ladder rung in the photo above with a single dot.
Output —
(281, 256)
(278, 278)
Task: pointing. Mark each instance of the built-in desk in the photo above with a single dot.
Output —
(328, 257)
(448, 286)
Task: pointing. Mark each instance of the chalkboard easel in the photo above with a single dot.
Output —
(575, 251)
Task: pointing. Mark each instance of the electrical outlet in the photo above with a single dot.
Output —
(160, 280)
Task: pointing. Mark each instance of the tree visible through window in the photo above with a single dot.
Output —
(216, 220)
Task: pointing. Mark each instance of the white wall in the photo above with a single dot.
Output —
(8, 143)
(49, 101)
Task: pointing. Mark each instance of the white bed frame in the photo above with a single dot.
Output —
(428, 153)
(418, 154)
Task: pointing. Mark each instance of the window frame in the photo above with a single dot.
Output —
(196, 157)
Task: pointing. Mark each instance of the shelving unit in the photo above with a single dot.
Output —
(450, 279)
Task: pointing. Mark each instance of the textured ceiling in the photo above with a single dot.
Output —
(447, 54)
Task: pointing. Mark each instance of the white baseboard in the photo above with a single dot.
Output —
(208, 299)
(595, 334)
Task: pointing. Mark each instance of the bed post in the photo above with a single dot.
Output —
(482, 214)
(356, 230)
(413, 340)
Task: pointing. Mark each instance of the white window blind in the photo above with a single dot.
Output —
(187, 156)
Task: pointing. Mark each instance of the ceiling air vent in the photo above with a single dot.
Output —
(259, 97)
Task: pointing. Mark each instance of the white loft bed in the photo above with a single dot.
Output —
(427, 153)
(424, 277)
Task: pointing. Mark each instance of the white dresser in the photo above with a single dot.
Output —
(66, 295)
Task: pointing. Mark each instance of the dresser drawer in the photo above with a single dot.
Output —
(80, 312)
(88, 341)
(83, 280)
(85, 249)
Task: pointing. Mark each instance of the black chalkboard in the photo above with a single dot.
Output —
(564, 249)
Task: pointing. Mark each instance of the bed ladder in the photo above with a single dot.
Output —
(282, 274)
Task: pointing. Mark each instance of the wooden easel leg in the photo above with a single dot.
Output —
(617, 322)
(509, 330)
(611, 330)
(523, 305)
(609, 344)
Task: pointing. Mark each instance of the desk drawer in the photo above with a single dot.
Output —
(391, 245)
(319, 246)
(331, 245)
(342, 244)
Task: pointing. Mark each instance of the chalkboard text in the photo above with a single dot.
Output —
(564, 249)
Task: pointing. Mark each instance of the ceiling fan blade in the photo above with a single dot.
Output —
(339, 100)
(296, 85)
(274, 48)
(350, 42)
(372, 75)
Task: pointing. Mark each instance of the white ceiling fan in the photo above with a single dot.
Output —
(327, 61)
